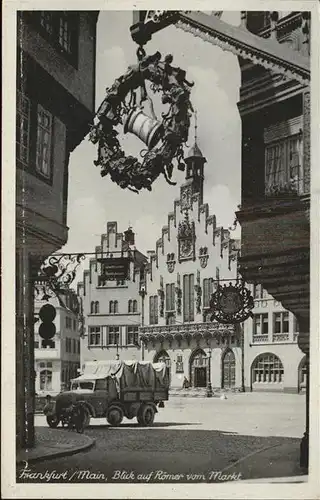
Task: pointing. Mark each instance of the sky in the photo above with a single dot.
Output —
(93, 200)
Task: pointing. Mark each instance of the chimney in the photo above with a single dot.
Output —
(129, 236)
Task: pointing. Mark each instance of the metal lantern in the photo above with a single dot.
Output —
(150, 131)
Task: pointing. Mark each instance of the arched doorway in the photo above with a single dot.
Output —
(228, 370)
(199, 368)
(302, 374)
(163, 356)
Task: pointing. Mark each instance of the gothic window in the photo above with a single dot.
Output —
(96, 307)
(281, 322)
(113, 335)
(188, 298)
(207, 291)
(261, 324)
(92, 307)
(94, 337)
(267, 368)
(153, 310)
(132, 335)
(170, 297)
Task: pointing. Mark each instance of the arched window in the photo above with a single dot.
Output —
(96, 309)
(111, 307)
(130, 307)
(46, 380)
(267, 368)
(92, 307)
(115, 306)
(134, 306)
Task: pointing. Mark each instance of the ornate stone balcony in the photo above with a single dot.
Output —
(187, 332)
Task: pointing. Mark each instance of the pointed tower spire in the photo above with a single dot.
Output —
(195, 162)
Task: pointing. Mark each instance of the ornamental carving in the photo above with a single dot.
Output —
(198, 296)
(161, 296)
(171, 262)
(186, 239)
(186, 197)
(231, 303)
(203, 256)
(120, 107)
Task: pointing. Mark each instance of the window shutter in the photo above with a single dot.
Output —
(191, 315)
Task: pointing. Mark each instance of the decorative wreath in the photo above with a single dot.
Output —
(121, 100)
(231, 303)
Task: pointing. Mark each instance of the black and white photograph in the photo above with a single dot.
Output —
(160, 276)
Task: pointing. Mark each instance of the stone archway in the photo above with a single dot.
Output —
(302, 374)
(199, 368)
(228, 370)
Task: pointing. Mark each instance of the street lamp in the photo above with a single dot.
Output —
(142, 293)
(209, 386)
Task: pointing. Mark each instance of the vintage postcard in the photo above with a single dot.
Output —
(160, 215)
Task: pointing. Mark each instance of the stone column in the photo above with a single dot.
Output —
(304, 344)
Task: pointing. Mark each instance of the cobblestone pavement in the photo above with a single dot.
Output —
(190, 437)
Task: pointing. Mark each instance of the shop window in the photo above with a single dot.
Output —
(267, 368)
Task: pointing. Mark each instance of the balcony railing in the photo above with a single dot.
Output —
(215, 329)
(259, 339)
(280, 337)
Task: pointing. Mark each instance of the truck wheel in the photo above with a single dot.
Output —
(86, 417)
(115, 415)
(53, 421)
(146, 415)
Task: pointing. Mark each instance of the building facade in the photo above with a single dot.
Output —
(111, 308)
(191, 257)
(272, 358)
(57, 364)
(55, 105)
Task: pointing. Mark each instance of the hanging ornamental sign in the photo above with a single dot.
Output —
(231, 303)
(164, 137)
(56, 274)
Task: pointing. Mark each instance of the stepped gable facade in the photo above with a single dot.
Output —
(110, 309)
(191, 256)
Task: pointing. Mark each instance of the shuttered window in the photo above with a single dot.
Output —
(153, 310)
(170, 291)
(207, 291)
(188, 297)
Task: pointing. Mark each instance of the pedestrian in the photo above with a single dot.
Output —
(186, 383)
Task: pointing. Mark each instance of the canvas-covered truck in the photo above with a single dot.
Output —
(114, 390)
